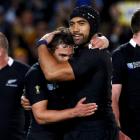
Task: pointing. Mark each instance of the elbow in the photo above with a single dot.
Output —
(40, 120)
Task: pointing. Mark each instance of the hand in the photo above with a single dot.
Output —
(99, 42)
(49, 36)
(85, 109)
(122, 136)
(25, 103)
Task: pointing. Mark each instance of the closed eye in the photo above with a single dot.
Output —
(63, 55)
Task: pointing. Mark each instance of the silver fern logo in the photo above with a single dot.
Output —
(12, 83)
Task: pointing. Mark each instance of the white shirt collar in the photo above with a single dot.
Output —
(132, 42)
(10, 61)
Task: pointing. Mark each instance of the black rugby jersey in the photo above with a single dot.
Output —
(126, 71)
(92, 69)
(11, 89)
(37, 88)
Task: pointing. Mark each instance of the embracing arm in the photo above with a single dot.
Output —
(43, 115)
(56, 71)
(52, 69)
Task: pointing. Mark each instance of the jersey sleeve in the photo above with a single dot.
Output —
(35, 86)
(118, 63)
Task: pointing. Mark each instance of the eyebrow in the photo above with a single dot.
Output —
(79, 20)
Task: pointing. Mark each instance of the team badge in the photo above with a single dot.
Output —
(37, 88)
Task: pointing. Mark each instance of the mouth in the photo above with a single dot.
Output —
(77, 37)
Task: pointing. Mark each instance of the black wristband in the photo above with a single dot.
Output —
(41, 42)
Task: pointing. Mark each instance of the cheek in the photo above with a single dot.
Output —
(86, 33)
(87, 30)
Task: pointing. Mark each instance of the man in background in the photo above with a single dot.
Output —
(12, 75)
(125, 84)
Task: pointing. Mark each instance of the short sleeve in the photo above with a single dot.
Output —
(118, 63)
(35, 86)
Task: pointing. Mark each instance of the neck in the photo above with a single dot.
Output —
(136, 38)
(86, 43)
(3, 61)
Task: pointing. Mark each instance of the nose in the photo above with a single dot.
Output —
(75, 28)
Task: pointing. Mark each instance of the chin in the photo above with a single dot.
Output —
(78, 42)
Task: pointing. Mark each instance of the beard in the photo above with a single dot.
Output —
(81, 40)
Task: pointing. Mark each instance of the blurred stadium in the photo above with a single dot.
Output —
(25, 21)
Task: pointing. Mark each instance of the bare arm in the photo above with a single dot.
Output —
(116, 91)
(55, 71)
(52, 69)
(43, 116)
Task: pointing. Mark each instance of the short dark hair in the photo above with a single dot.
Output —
(64, 37)
(4, 41)
(135, 21)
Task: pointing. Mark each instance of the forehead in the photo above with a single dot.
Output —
(78, 19)
(64, 47)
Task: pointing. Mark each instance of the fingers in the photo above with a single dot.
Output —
(87, 109)
(63, 29)
(99, 42)
(24, 100)
(82, 100)
(27, 108)
(49, 36)
(88, 114)
(56, 32)
(25, 103)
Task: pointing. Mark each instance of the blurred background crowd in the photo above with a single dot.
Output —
(25, 21)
